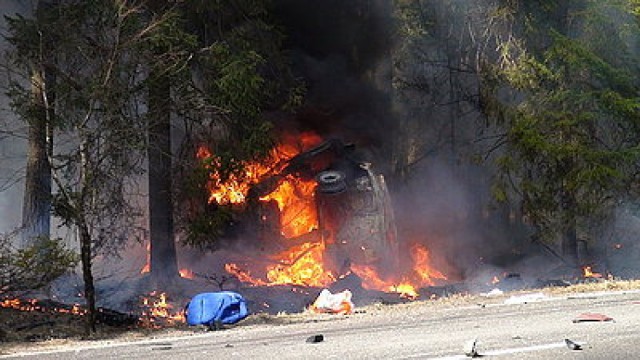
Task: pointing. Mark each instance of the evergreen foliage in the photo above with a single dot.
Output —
(32, 267)
(572, 117)
(243, 75)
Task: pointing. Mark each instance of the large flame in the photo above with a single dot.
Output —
(302, 264)
(299, 265)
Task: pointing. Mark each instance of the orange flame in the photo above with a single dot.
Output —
(186, 273)
(235, 188)
(422, 275)
(156, 311)
(301, 264)
(147, 266)
(587, 272)
(407, 290)
(297, 206)
(34, 305)
(422, 267)
(243, 275)
(372, 281)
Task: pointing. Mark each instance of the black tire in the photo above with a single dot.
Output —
(331, 182)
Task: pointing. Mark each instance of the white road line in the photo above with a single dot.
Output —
(104, 344)
(498, 352)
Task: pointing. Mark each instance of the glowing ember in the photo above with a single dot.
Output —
(587, 272)
(147, 266)
(35, 305)
(187, 274)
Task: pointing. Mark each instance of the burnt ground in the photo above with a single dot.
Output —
(33, 330)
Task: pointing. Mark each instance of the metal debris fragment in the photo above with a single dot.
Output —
(471, 348)
(315, 339)
(572, 345)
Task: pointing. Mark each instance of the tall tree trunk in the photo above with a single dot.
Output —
(84, 235)
(569, 243)
(163, 250)
(36, 207)
(87, 277)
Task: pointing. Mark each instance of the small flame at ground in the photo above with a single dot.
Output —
(422, 266)
(36, 305)
(187, 274)
(587, 272)
(156, 311)
(423, 274)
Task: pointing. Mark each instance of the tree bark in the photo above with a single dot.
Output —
(84, 236)
(87, 277)
(163, 257)
(36, 207)
(569, 242)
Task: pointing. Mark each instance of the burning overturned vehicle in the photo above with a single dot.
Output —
(314, 213)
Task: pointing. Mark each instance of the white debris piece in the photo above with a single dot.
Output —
(526, 298)
(339, 303)
(494, 292)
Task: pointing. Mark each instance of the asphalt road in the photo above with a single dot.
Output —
(533, 330)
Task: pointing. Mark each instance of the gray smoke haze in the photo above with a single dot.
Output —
(12, 136)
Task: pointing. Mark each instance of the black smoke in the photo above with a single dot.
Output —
(341, 50)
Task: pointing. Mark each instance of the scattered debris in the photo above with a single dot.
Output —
(315, 339)
(327, 302)
(162, 348)
(572, 345)
(471, 348)
(585, 317)
(552, 283)
(525, 298)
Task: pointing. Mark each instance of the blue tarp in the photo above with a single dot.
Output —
(225, 307)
